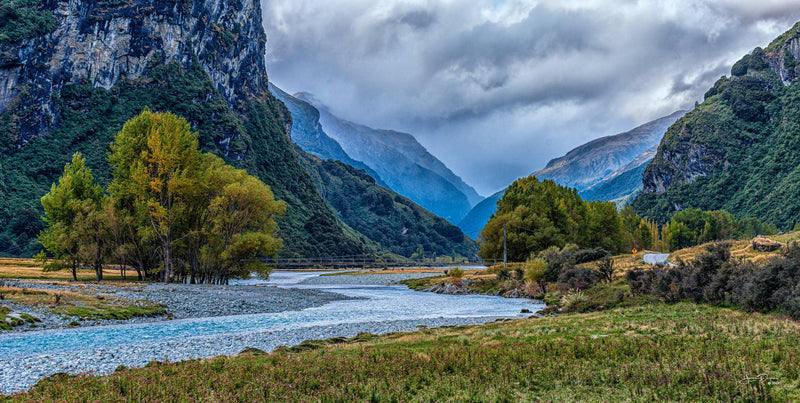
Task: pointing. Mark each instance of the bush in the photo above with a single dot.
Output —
(590, 255)
(713, 278)
(456, 272)
(534, 270)
(577, 278)
(605, 269)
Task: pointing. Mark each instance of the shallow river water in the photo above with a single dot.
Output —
(29, 356)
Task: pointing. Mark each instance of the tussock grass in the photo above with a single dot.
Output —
(679, 352)
(84, 306)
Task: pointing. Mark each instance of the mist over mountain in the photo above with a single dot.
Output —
(401, 162)
(608, 168)
(308, 134)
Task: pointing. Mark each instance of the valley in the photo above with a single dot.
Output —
(176, 224)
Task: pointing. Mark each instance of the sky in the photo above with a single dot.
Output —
(495, 89)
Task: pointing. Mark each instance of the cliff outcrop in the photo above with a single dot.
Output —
(70, 84)
(738, 149)
(104, 42)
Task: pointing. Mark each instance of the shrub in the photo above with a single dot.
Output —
(534, 270)
(577, 278)
(590, 255)
(605, 268)
(713, 278)
(456, 272)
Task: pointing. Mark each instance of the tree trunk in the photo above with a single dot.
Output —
(167, 262)
(98, 270)
(74, 273)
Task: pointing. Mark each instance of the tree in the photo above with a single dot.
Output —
(155, 158)
(539, 214)
(73, 213)
(239, 223)
(203, 218)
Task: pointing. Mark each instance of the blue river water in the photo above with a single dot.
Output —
(377, 303)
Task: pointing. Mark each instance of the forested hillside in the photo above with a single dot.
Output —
(394, 222)
(203, 61)
(737, 150)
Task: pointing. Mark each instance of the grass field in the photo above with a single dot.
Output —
(655, 352)
(21, 268)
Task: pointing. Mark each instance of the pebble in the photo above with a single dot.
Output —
(191, 301)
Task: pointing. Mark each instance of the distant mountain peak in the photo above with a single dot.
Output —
(401, 161)
(589, 163)
(606, 168)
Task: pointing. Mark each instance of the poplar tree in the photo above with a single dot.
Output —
(75, 233)
(155, 159)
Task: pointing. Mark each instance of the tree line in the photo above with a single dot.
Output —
(535, 215)
(170, 212)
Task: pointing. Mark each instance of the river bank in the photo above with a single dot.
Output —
(648, 352)
(300, 306)
(180, 301)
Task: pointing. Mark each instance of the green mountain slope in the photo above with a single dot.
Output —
(308, 134)
(738, 150)
(394, 222)
(203, 60)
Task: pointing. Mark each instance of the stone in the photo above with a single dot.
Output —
(762, 244)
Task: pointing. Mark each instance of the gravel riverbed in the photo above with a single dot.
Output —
(205, 310)
(182, 301)
(20, 373)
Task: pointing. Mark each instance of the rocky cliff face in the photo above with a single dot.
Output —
(738, 149)
(72, 85)
(103, 42)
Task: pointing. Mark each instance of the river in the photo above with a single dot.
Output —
(29, 356)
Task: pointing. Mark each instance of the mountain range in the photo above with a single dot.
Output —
(608, 168)
(72, 73)
(394, 159)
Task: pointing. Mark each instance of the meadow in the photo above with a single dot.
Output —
(661, 352)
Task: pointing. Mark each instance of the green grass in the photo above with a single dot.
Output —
(679, 352)
(75, 305)
(109, 312)
(420, 283)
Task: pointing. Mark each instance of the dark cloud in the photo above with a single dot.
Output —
(496, 89)
(417, 19)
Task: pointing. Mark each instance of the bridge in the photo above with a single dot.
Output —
(361, 262)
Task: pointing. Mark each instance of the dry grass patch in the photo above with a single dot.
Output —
(28, 269)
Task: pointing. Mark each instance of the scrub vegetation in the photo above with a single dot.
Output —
(677, 352)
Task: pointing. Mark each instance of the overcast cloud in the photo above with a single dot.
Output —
(495, 89)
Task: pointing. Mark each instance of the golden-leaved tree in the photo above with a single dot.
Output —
(172, 211)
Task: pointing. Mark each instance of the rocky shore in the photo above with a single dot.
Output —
(463, 289)
(180, 301)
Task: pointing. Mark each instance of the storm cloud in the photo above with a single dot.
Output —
(495, 89)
